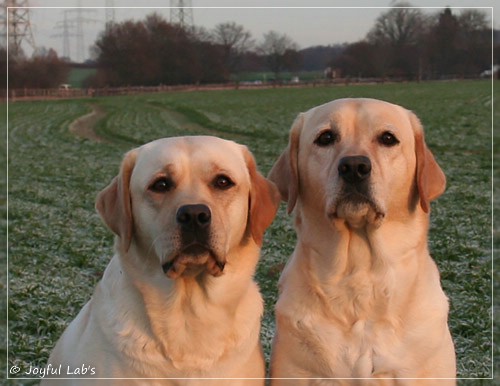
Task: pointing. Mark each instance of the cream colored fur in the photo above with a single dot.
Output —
(360, 296)
(199, 319)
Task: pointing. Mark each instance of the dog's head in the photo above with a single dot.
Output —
(187, 203)
(358, 160)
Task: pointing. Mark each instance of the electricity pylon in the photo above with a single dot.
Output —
(181, 12)
(110, 12)
(73, 26)
(67, 26)
(16, 25)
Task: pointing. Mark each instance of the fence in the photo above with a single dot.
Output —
(42, 94)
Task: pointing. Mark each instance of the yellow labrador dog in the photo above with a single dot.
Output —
(178, 299)
(360, 297)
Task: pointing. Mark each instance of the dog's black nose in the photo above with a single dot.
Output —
(194, 217)
(355, 169)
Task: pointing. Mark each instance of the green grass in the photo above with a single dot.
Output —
(58, 247)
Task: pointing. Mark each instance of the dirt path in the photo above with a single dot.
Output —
(83, 126)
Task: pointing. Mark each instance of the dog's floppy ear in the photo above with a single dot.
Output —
(263, 202)
(114, 203)
(431, 181)
(285, 173)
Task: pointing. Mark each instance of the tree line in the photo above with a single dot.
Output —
(407, 43)
(404, 42)
(153, 51)
(43, 70)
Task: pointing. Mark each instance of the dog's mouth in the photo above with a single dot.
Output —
(357, 208)
(192, 260)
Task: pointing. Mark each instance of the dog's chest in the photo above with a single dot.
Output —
(362, 350)
(180, 345)
(368, 347)
(348, 327)
(366, 325)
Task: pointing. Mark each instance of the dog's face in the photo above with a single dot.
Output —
(189, 202)
(358, 160)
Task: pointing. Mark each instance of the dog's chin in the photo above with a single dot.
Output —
(193, 261)
(357, 211)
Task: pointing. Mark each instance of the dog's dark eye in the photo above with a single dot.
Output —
(388, 139)
(223, 182)
(326, 138)
(162, 185)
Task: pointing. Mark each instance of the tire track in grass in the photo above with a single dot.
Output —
(83, 126)
(185, 119)
(197, 123)
(191, 121)
(183, 122)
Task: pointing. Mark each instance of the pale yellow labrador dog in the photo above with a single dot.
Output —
(360, 296)
(178, 299)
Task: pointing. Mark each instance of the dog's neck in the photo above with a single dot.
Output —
(338, 259)
(187, 312)
(340, 244)
(352, 271)
(145, 271)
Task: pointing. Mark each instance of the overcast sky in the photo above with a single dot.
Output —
(312, 24)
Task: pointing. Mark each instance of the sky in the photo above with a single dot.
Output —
(307, 22)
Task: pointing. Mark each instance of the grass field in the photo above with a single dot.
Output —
(58, 247)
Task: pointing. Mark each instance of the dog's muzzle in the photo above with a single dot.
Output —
(354, 202)
(195, 254)
(355, 172)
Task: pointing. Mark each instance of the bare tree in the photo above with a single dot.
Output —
(200, 34)
(401, 25)
(471, 20)
(399, 34)
(474, 42)
(234, 41)
(281, 52)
